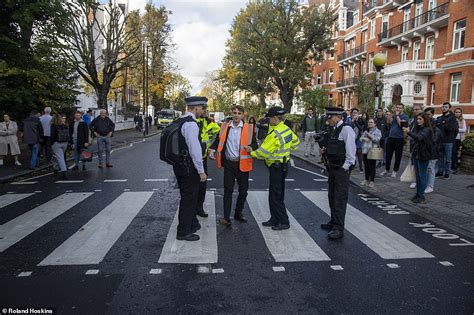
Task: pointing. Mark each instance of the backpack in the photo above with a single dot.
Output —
(63, 134)
(172, 145)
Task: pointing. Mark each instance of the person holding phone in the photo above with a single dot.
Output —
(395, 138)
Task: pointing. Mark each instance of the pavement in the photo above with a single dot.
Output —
(451, 203)
(9, 171)
(103, 242)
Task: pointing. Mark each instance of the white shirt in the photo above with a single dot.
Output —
(190, 132)
(232, 147)
(46, 123)
(348, 136)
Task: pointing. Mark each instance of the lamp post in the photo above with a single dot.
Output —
(379, 62)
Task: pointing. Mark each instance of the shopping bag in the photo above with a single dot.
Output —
(86, 155)
(375, 154)
(408, 175)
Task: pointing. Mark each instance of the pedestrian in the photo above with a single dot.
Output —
(33, 136)
(359, 126)
(413, 124)
(135, 120)
(103, 129)
(275, 150)
(309, 127)
(8, 139)
(191, 171)
(87, 117)
(79, 139)
(150, 120)
(448, 125)
(370, 139)
(234, 137)
(60, 139)
(263, 125)
(46, 124)
(422, 135)
(395, 140)
(147, 124)
(462, 128)
(140, 124)
(381, 123)
(341, 156)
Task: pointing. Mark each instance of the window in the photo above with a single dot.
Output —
(406, 17)
(385, 26)
(431, 4)
(418, 13)
(404, 53)
(416, 50)
(352, 70)
(331, 54)
(331, 76)
(432, 94)
(318, 80)
(362, 67)
(364, 37)
(417, 87)
(371, 62)
(455, 87)
(459, 34)
(372, 29)
(429, 53)
(324, 76)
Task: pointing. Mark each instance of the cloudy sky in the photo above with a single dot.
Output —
(200, 30)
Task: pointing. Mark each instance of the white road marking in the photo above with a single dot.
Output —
(204, 269)
(308, 171)
(71, 167)
(98, 190)
(156, 271)
(320, 180)
(115, 180)
(92, 272)
(69, 191)
(155, 189)
(209, 179)
(25, 274)
(22, 226)
(278, 268)
(156, 180)
(383, 241)
(203, 251)
(23, 183)
(297, 189)
(292, 163)
(10, 192)
(39, 176)
(68, 181)
(38, 191)
(126, 189)
(293, 244)
(336, 267)
(8, 199)
(289, 179)
(218, 270)
(446, 263)
(250, 179)
(92, 242)
(393, 266)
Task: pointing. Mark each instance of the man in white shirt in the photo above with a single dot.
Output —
(46, 123)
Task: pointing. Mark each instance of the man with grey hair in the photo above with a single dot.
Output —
(103, 128)
(46, 123)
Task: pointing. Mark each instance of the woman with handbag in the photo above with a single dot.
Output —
(60, 140)
(8, 138)
(422, 135)
(371, 152)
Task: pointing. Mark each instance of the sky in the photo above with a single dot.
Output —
(200, 30)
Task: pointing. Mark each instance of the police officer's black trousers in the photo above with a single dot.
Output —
(338, 193)
(202, 190)
(232, 173)
(276, 195)
(188, 190)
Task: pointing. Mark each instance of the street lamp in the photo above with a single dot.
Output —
(379, 62)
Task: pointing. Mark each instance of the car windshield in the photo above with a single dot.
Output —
(165, 115)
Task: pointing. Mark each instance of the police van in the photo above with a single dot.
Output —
(165, 116)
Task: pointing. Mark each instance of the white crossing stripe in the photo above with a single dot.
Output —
(91, 243)
(68, 181)
(203, 251)
(383, 241)
(22, 226)
(23, 183)
(289, 245)
(8, 199)
(156, 179)
(115, 180)
(307, 171)
(320, 180)
(289, 179)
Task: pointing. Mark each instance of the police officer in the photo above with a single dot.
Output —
(191, 173)
(275, 150)
(208, 130)
(340, 153)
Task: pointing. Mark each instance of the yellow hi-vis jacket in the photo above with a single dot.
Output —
(208, 132)
(277, 146)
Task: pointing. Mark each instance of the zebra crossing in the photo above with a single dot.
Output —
(94, 240)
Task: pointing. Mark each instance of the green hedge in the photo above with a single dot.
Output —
(468, 143)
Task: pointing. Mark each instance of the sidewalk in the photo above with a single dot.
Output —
(451, 204)
(9, 171)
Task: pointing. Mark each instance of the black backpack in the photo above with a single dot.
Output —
(173, 148)
(63, 134)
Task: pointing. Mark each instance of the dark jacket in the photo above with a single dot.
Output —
(422, 143)
(102, 125)
(32, 130)
(82, 134)
(215, 144)
(304, 124)
(54, 132)
(449, 127)
(382, 126)
(263, 128)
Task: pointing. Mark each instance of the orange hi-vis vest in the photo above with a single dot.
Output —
(245, 162)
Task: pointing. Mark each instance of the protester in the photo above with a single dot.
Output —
(359, 126)
(46, 124)
(309, 125)
(8, 138)
(33, 136)
(395, 139)
(456, 158)
(422, 135)
(436, 151)
(449, 128)
(103, 129)
(416, 110)
(370, 139)
(79, 138)
(381, 123)
(60, 139)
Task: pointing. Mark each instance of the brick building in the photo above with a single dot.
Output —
(430, 52)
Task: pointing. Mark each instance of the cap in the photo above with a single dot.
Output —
(196, 101)
(275, 111)
(334, 111)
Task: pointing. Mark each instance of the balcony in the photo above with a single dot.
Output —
(346, 83)
(375, 5)
(423, 67)
(349, 56)
(430, 21)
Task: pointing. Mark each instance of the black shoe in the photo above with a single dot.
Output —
(202, 214)
(418, 199)
(83, 167)
(268, 223)
(240, 218)
(75, 168)
(280, 227)
(195, 228)
(226, 222)
(439, 174)
(327, 226)
(335, 234)
(62, 175)
(446, 176)
(189, 237)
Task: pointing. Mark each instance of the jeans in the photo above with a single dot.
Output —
(431, 173)
(77, 153)
(421, 173)
(59, 148)
(309, 142)
(369, 168)
(393, 145)
(34, 149)
(103, 142)
(444, 164)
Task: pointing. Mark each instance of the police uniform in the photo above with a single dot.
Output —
(275, 150)
(187, 174)
(340, 154)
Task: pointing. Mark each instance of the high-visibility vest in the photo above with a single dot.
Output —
(245, 162)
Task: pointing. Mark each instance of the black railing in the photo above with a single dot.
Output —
(346, 82)
(421, 19)
(375, 3)
(352, 52)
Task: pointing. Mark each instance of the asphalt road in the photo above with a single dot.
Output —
(113, 224)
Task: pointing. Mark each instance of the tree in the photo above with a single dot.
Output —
(217, 90)
(317, 98)
(178, 89)
(365, 91)
(276, 39)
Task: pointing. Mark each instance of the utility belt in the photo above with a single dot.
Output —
(280, 165)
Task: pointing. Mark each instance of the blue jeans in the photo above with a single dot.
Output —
(431, 173)
(444, 165)
(421, 168)
(77, 154)
(34, 149)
